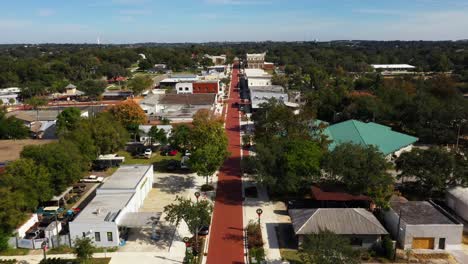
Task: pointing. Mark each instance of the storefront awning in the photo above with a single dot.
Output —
(140, 219)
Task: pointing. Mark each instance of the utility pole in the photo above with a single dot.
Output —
(398, 235)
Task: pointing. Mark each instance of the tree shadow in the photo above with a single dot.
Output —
(174, 184)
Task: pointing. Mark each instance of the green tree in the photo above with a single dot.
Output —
(107, 133)
(434, 170)
(31, 182)
(158, 135)
(11, 127)
(363, 169)
(208, 143)
(93, 88)
(144, 65)
(287, 166)
(84, 249)
(195, 214)
(63, 160)
(328, 248)
(11, 210)
(82, 136)
(279, 79)
(4, 241)
(180, 137)
(68, 119)
(140, 83)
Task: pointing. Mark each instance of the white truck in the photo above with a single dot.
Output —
(92, 179)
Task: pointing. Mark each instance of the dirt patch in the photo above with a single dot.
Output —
(11, 149)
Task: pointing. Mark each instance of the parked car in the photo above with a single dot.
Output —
(184, 162)
(147, 154)
(92, 178)
(168, 151)
(204, 231)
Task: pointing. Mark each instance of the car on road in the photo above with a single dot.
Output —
(93, 179)
(173, 152)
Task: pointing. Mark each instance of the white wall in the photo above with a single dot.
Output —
(457, 205)
(184, 88)
(77, 229)
(21, 231)
(259, 81)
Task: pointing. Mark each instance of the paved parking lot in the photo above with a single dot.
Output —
(165, 189)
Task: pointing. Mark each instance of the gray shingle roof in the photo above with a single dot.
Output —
(419, 213)
(343, 221)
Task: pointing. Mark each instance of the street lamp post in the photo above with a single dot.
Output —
(197, 195)
(259, 213)
(187, 244)
(44, 248)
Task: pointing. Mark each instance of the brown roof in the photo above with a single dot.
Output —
(320, 195)
(188, 99)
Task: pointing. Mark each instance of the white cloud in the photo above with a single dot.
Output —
(45, 12)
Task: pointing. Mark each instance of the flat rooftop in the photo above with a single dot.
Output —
(419, 213)
(256, 73)
(187, 99)
(392, 66)
(126, 177)
(104, 208)
(268, 88)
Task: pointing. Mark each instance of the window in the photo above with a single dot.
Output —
(97, 236)
(180, 89)
(186, 88)
(109, 236)
(442, 243)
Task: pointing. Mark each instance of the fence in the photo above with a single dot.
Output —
(52, 242)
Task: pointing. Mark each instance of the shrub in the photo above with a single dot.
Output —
(389, 248)
(59, 261)
(254, 235)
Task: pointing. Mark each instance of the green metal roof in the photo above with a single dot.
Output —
(357, 132)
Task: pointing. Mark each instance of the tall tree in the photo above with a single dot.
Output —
(68, 119)
(180, 137)
(31, 182)
(93, 88)
(157, 135)
(195, 214)
(363, 169)
(63, 160)
(84, 249)
(434, 169)
(140, 83)
(11, 127)
(129, 114)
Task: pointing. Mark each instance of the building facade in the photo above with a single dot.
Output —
(255, 60)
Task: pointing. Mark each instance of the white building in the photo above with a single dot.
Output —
(258, 97)
(184, 88)
(422, 225)
(9, 96)
(217, 60)
(116, 206)
(457, 199)
(255, 60)
(389, 69)
(145, 129)
(257, 77)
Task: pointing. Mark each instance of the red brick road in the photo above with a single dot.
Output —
(226, 238)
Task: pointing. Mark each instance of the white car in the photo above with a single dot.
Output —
(148, 153)
(92, 178)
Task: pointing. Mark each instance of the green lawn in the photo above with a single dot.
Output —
(14, 252)
(291, 255)
(156, 158)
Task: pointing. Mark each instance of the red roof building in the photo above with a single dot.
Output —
(320, 195)
(206, 87)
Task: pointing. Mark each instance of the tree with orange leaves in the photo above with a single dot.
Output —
(129, 113)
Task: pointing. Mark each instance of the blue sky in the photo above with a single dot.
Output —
(130, 21)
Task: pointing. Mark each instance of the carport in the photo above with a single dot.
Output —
(139, 220)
